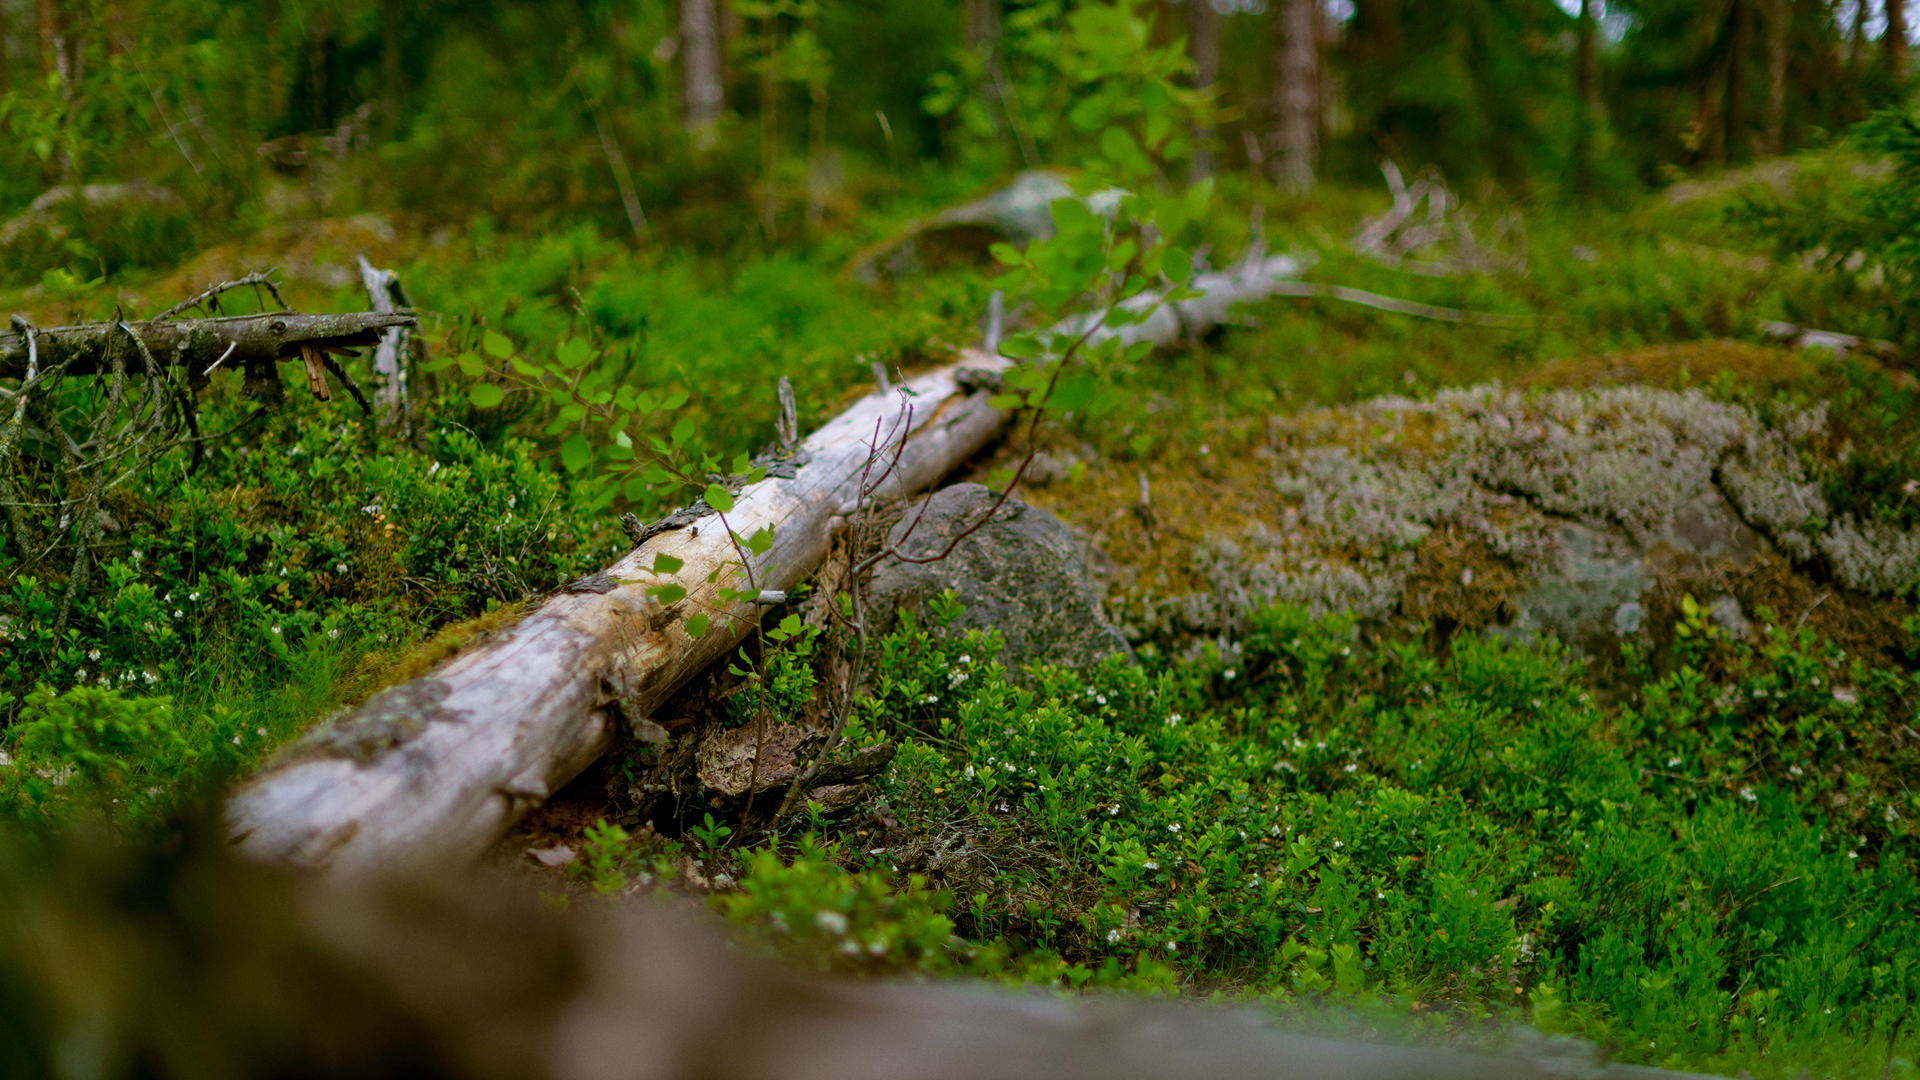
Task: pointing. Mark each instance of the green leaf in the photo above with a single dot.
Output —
(761, 542)
(470, 365)
(573, 353)
(485, 395)
(1177, 267)
(696, 625)
(674, 401)
(576, 453)
(667, 594)
(1021, 347)
(635, 488)
(1007, 254)
(719, 498)
(1006, 402)
(664, 563)
(496, 344)
(682, 430)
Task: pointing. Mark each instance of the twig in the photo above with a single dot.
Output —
(340, 373)
(1322, 291)
(259, 278)
(629, 198)
(223, 359)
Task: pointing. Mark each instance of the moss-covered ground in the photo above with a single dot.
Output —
(1697, 851)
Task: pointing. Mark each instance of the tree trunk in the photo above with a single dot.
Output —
(704, 93)
(47, 24)
(1857, 36)
(436, 769)
(1296, 83)
(1586, 78)
(1779, 21)
(1894, 41)
(392, 73)
(980, 26)
(1203, 47)
(1733, 107)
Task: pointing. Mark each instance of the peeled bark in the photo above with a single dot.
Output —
(385, 296)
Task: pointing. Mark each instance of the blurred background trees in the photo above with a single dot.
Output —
(654, 113)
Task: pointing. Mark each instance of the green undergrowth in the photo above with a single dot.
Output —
(1717, 873)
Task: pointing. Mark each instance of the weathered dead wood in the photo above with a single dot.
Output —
(439, 767)
(232, 341)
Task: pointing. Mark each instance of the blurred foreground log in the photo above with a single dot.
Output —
(233, 341)
(438, 768)
(183, 961)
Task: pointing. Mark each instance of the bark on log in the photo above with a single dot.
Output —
(439, 767)
(197, 343)
(436, 769)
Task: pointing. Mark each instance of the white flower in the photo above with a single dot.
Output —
(1747, 794)
(1795, 770)
(80, 676)
(1173, 947)
(969, 772)
(964, 658)
(1175, 829)
(1337, 843)
(1349, 768)
(93, 654)
(262, 732)
(177, 613)
(194, 595)
(276, 628)
(1113, 810)
(339, 568)
(1101, 698)
(831, 921)
(1113, 937)
(1853, 854)
(1672, 762)
(333, 633)
(1229, 674)
(1151, 865)
(236, 740)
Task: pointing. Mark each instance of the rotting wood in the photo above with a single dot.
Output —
(232, 341)
(513, 719)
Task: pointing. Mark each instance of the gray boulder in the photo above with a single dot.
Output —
(1022, 573)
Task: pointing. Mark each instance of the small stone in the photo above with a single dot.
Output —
(555, 857)
(1627, 617)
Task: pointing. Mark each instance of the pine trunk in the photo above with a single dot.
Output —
(1779, 21)
(705, 95)
(1894, 41)
(1296, 86)
(1203, 46)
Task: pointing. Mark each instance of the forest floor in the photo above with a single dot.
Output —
(1697, 850)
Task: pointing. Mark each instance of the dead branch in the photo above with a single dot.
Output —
(241, 340)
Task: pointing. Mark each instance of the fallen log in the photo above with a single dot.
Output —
(232, 341)
(438, 768)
